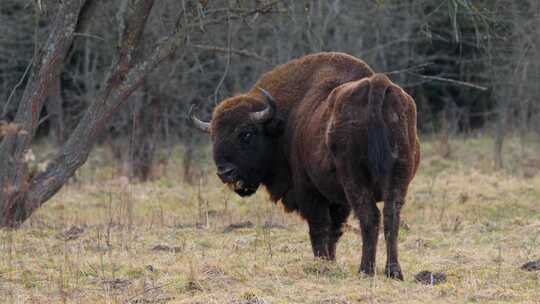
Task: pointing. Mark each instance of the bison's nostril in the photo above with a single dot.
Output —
(227, 174)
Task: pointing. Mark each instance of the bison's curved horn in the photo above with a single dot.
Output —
(268, 112)
(201, 125)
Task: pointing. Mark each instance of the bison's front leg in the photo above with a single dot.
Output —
(318, 233)
(339, 214)
(317, 215)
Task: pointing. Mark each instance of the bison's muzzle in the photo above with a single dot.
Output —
(227, 174)
(230, 176)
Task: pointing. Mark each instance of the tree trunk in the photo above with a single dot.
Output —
(144, 137)
(14, 183)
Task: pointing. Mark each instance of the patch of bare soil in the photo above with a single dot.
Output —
(531, 266)
(120, 284)
(73, 233)
(151, 295)
(158, 300)
(250, 298)
(271, 225)
(430, 278)
(189, 226)
(214, 276)
(240, 225)
(193, 286)
(160, 247)
(334, 301)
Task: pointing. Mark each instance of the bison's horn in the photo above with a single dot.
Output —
(201, 125)
(268, 112)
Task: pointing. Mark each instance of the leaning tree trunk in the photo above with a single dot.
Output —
(14, 183)
(20, 193)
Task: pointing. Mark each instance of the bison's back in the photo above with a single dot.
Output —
(309, 79)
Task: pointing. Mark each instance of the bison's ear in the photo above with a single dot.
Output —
(275, 126)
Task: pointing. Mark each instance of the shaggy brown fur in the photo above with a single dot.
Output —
(342, 138)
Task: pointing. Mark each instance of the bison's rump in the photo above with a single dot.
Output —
(352, 122)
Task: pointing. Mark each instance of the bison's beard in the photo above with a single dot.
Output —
(242, 188)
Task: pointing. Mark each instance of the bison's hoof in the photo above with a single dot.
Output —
(394, 272)
(368, 270)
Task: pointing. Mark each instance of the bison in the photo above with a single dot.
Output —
(324, 135)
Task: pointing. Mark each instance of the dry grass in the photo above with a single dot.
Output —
(105, 240)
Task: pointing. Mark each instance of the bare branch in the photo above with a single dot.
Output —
(234, 51)
(409, 69)
(229, 41)
(456, 82)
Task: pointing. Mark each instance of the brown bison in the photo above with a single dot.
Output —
(324, 135)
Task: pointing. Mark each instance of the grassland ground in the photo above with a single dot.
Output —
(104, 239)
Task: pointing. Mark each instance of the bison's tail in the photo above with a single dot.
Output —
(379, 150)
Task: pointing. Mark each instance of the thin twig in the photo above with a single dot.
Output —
(42, 120)
(4, 111)
(229, 38)
(242, 14)
(457, 82)
(235, 51)
(410, 69)
(89, 36)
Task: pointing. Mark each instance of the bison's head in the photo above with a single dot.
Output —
(243, 132)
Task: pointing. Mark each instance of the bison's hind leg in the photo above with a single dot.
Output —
(391, 214)
(359, 192)
(394, 201)
(362, 200)
(369, 216)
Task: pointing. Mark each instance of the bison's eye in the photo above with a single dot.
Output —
(245, 137)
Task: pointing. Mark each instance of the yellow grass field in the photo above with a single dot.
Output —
(103, 239)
